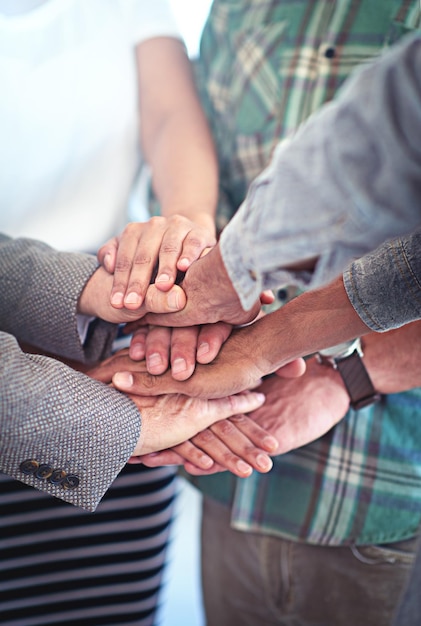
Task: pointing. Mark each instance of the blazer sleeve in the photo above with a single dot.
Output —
(60, 431)
(40, 290)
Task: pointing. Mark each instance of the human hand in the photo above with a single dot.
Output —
(300, 410)
(296, 411)
(210, 295)
(240, 364)
(236, 444)
(95, 300)
(179, 347)
(163, 245)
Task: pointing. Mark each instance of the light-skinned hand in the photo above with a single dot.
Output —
(161, 246)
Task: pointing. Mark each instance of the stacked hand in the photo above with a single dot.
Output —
(227, 438)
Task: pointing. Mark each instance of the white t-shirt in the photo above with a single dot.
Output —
(69, 127)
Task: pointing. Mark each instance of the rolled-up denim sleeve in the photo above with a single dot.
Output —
(384, 287)
(345, 182)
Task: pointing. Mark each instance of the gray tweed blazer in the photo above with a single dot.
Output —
(60, 431)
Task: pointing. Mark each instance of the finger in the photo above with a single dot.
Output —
(144, 262)
(158, 459)
(241, 445)
(195, 243)
(137, 349)
(107, 255)
(157, 349)
(188, 451)
(192, 469)
(127, 244)
(294, 369)
(183, 351)
(255, 433)
(170, 250)
(221, 453)
(157, 301)
(267, 297)
(211, 338)
(105, 370)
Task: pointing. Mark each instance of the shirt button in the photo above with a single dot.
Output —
(71, 481)
(44, 471)
(330, 52)
(282, 294)
(57, 477)
(253, 275)
(29, 466)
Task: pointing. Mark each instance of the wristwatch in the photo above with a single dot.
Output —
(347, 359)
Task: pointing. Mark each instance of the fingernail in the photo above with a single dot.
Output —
(243, 467)
(137, 352)
(183, 263)
(154, 360)
(162, 278)
(178, 365)
(117, 299)
(132, 298)
(270, 443)
(206, 462)
(172, 300)
(263, 462)
(203, 349)
(260, 396)
(123, 380)
(107, 261)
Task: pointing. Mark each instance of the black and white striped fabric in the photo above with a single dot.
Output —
(60, 565)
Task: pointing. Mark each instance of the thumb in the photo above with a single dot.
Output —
(145, 384)
(157, 301)
(294, 369)
(107, 255)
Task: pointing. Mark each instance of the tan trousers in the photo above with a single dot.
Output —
(257, 580)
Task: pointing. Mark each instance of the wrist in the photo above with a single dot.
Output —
(347, 359)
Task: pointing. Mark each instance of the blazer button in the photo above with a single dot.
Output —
(44, 471)
(57, 477)
(71, 481)
(29, 466)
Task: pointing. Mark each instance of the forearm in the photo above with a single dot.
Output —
(175, 136)
(185, 170)
(326, 188)
(392, 358)
(310, 322)
(62, 418)
(41, 289)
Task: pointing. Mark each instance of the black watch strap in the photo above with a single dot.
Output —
(357, 381)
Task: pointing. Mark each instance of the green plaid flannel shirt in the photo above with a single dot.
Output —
(264, 66)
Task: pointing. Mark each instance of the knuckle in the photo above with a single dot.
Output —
(142, 260)
(205, 437)
(177, 220)
(157, 221)
(123, 264)
(150, 381)
(239, 419)
(194, 242)
(169, 247)
(225, 428)
(131, 228)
